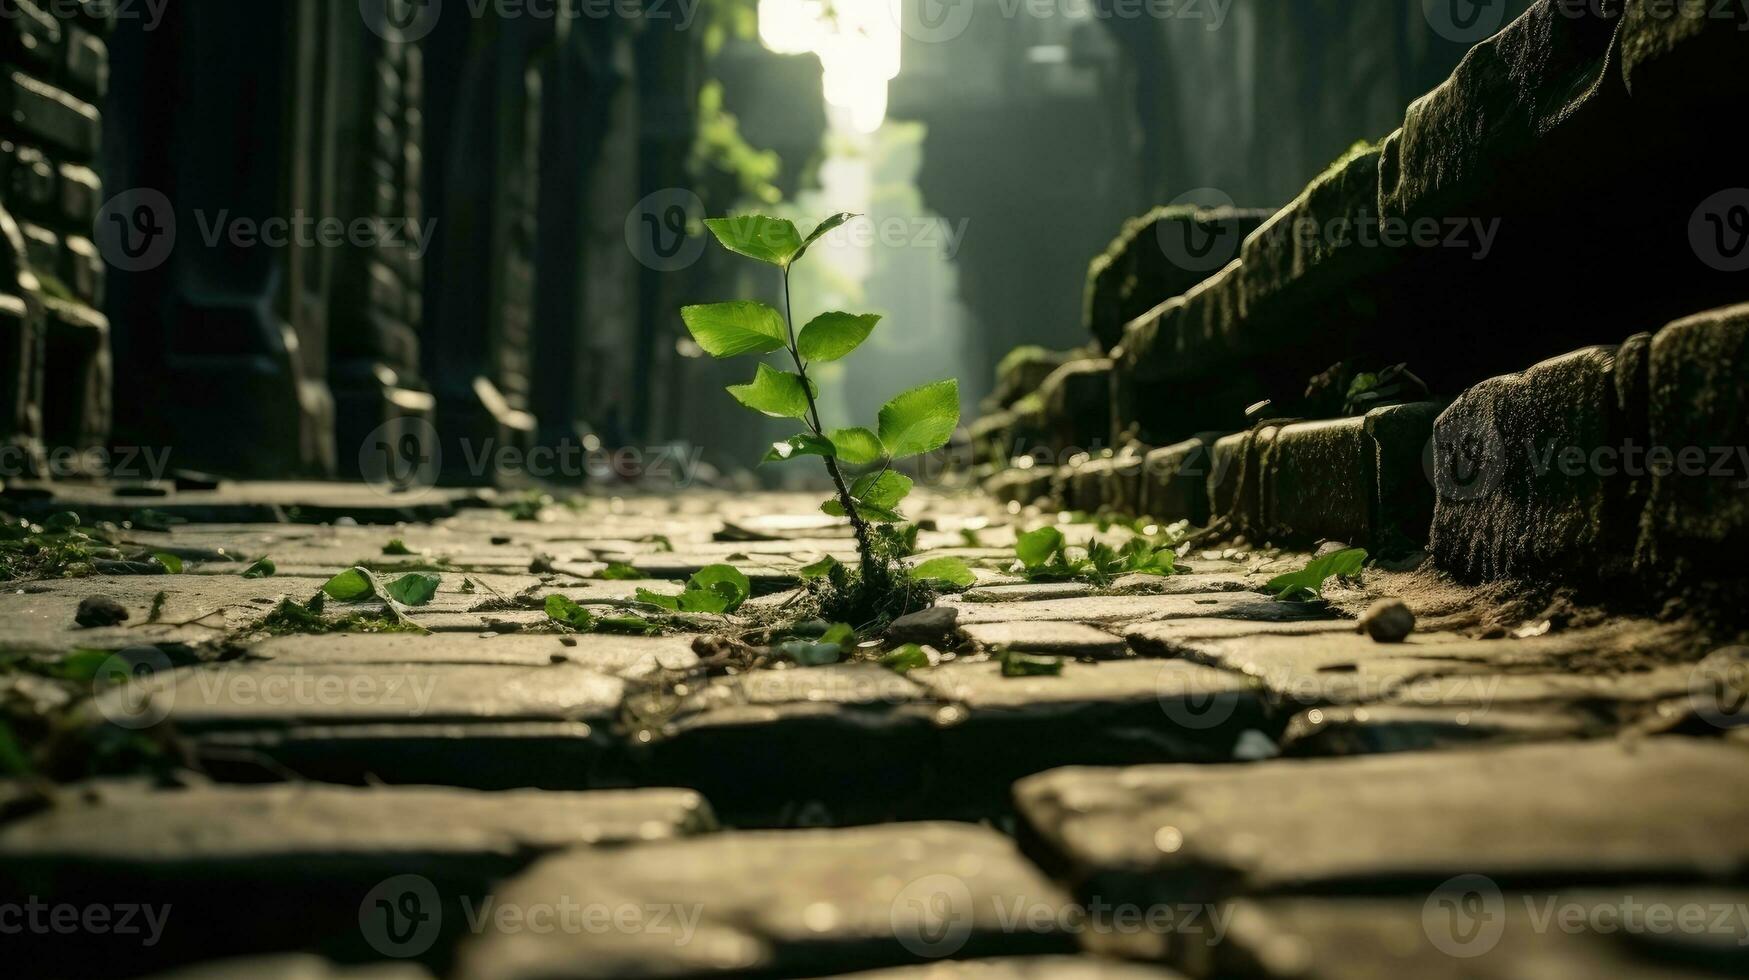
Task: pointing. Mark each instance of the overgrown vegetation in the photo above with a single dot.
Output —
(915, 422)
(1308, 583)
(1045, 556)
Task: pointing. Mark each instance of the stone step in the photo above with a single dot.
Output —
(1469, 928)
(1021, 968)
(231, 870)
(777, 903)
(1157, 256)
(1397, 824)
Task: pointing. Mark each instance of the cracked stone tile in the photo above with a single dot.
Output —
(792, 903)
(1174, 638)
(1531, 813)
(481, 725)
(1108, 713)
(1414, 727)
(1020, 968)
(1471, 930)
(294, 967)
(1077, 640)
(1128, 610)
(1345, 668)
(1129, 584)
(846, 743)
(622, 656)
(245, 870)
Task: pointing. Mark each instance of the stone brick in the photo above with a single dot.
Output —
(1698, 511)
(1236, 477)
(1535, 100)
(294, 966)
(1395, 823)
(1175, 481)
(1125, 610)
(1023, 370)
(783, 903)
(1076, 640)
(1520, 477)
(1318, 483)
(253, 869)
(1403, 496)
(1682, 55)
(43, 111)
(1120, 489)
(1157, 256)
(1077, 405)
(1309, 260)
(1023, 968)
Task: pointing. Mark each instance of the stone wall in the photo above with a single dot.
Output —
(54, 341)
(1268, 398)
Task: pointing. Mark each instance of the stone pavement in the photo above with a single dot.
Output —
(1214, 782)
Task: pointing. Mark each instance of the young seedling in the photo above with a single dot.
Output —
(918, 421)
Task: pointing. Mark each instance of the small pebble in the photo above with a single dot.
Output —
(99, 610)
(1388, 621)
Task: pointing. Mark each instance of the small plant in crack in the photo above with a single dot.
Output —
(915, 422)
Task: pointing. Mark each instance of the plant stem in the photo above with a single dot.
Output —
(864, 536)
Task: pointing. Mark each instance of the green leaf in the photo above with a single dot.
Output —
(731, 329)
(906, 658)
(1036, 548)
(778, 394)
(13, 759)
(773, 240)
(171, 563)
(952, 571)
(921, 420)
(1308, 582)
(725, 580)
(562, 610)
(842, 634)
(831, 336)
(669, 602)
(62, 522)
(397, 547)
(857, 446)
(413, 589)
(81, 666)
(821, 231)
(809, 653)
(883, 490)
(819, 569)
(629, 625)
(262, 568)
(619, 571)
(868, 512)
(349, 586)
(806, 444)
(1028, 665)
(1143, 558)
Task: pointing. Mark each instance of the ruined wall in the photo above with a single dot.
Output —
(54, 342)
